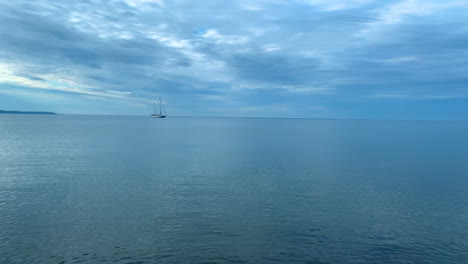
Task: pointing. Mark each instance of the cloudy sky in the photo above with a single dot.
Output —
(402, 59)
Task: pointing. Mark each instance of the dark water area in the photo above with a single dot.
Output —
(115, 189)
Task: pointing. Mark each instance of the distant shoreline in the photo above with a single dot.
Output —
(27, 112)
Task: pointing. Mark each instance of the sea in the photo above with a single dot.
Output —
(134, 190)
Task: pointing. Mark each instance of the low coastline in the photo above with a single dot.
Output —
(27, 112)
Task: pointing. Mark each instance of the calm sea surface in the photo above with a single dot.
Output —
(96, 189)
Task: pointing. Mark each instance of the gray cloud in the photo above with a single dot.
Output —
(328, 51)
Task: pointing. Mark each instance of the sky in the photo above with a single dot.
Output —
(369, 59)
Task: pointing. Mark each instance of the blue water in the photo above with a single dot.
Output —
(97, 189)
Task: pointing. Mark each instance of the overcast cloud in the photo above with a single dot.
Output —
(302, 58)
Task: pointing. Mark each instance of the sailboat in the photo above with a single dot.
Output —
(162, 110)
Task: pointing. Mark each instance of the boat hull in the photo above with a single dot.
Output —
(157, 116)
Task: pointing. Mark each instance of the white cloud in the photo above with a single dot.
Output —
(213, 35)
(335, 5)
(170, 41)
(397, 13)
(118, 92)
(143, 3)
(307, 89)
(52, 81)
(271, 47)
(401, 59)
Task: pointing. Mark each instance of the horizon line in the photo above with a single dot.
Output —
(265, 117)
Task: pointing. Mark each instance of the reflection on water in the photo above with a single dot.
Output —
(83, 189)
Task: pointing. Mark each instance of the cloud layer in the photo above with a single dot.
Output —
(300, 58)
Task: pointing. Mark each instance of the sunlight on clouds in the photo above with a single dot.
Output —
(51, 82)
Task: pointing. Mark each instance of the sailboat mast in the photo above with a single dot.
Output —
(154, 107)
(160, 112)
